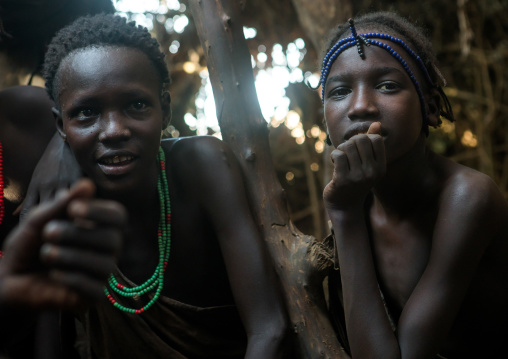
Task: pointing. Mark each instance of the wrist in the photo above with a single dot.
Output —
(346, 220)
(344, 212)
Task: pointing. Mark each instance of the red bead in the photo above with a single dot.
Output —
(165, 242)
(2, 207)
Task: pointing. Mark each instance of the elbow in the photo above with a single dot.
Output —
(273, 340)
(274, 330)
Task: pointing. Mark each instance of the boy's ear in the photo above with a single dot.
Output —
(166, 109)
(59, 123)
(434, 108)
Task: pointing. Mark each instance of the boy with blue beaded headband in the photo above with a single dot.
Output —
(193, 279)
(421, 241)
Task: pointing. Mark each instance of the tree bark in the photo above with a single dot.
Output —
(300, 260)
(317, 18)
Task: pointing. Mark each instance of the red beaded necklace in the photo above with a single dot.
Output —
(2, 207)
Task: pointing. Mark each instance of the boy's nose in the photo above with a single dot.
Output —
(114, 127)
(363, 104)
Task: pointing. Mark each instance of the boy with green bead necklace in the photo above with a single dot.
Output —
(422, 241)
(193, 268)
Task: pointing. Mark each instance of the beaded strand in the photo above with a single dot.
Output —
(367, 39)
(156, 281)
(2, 205)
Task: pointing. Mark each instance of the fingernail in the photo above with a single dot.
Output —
(77, 209)
(51, 231)
(47, 252)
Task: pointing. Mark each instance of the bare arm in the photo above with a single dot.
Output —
(56, 169)
(254, 283)
(467, 218)
(368, 327)
(470, 214)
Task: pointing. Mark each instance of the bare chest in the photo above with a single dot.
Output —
(401, 253)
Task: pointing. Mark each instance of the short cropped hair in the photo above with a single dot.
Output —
(97, 31)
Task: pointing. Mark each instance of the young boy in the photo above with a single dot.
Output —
(422, 241)
(193, 268)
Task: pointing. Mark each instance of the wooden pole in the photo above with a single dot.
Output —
(300, 260)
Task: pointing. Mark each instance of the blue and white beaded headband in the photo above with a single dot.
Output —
(368, 39)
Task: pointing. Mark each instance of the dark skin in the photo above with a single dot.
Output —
(431, 233)
(58, 258)
(217, 256)
(26, 127)
(64, 251)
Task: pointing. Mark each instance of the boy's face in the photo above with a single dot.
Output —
(111, 115)
(360, 91)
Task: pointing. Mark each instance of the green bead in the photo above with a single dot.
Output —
(164, 243)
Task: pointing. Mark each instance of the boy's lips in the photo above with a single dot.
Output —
(116, 164)
(116, 159)
(356, 129)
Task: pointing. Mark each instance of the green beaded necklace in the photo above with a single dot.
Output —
(156, 281)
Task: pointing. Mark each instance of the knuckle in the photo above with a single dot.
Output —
(370, 173)
(356, 176)
(350, 145)
(338, 155)
(55, 231)
(78, 208)
(49, 253)
(362, 140)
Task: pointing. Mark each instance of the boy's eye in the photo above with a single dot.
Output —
(86, 112)
(339, 92)
(139, 105)
(388, 86)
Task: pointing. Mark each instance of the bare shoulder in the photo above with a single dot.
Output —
(199, 153)
(480, 189)
(26, 104)
(474, 195)
(472, 231)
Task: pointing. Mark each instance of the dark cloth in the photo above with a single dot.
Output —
(17, 333)
(169, 329)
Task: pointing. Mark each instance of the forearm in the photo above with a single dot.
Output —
(56, 169)
(368, 327)
(274, 344)
(267, 326)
